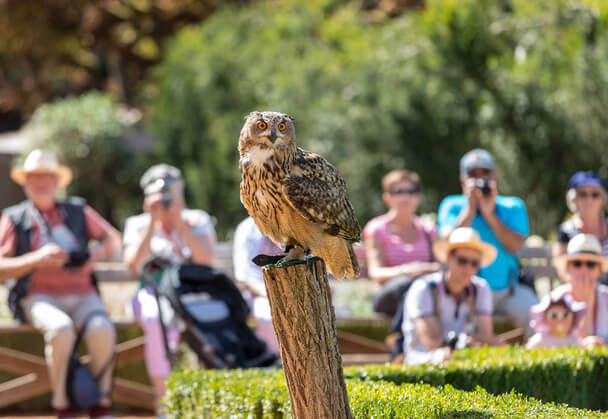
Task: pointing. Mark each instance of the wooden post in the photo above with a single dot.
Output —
(305, 325)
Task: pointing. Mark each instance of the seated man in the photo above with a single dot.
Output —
(45, 244)
(169, 230)
(443, 308)
(501, 221)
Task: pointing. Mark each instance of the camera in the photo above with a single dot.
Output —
(455, 340)
(483, 185)
(163, 186)
(77, 258)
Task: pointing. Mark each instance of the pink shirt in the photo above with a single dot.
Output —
(395, 250)
(57, 282)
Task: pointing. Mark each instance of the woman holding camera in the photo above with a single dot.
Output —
(586, 199)
(45, 244)
(170, 231)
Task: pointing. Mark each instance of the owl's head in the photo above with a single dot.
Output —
(268, 130)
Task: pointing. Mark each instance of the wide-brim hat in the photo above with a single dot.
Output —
(537, 311)
(464, 237)
(582, 247)
(40, 161)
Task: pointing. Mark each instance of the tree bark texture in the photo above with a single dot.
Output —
(305, 325)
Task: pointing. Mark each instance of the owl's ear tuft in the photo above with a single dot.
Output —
(254, 113)
(291, 118)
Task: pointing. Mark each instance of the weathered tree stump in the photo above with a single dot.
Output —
(305, 325)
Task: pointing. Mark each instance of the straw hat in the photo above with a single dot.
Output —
(464, 237)
(582, 247)
(39, 161)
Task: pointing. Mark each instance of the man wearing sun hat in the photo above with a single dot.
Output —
(501, 221)
(443, 308)
(584, 265)
(44, 245)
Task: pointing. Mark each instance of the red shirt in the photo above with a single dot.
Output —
(57, 282)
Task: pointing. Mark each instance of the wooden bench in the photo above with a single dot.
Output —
(34, 380)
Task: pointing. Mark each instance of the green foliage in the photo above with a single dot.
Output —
(263, 394)
(88, 134)
(574, 376)
(527, 80)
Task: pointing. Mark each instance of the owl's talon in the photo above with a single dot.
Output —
(295, 253)
(263, 260)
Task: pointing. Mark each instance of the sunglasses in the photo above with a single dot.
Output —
(579, 263)
(411, 191)
(585, 195)
(556, 315)
(462, 261)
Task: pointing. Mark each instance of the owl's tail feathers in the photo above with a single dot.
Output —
(339, 257)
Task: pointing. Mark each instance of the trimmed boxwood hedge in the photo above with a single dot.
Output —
(574, 376)
(263, 394)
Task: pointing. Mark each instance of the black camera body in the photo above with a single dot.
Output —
(77, 258)
(483, 185)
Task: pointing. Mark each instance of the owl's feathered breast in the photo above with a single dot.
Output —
(303, 182)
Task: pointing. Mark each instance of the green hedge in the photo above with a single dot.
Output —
(262, 394)
(574, 376)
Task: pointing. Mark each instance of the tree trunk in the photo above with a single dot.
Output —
(305, 325)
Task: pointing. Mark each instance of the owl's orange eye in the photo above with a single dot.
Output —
(262, 125)
(282, 126)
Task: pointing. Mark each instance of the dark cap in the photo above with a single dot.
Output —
(476, 158)
(164, 172)
(586, 179)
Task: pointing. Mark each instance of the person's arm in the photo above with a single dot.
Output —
(48, 256)
(201, 246)
(429, 332)
(382, 274)
(247, 243)
(485, 331)
(99, 229)
(135, 255)
(511, 239)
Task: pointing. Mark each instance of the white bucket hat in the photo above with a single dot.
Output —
(40, 161)
(582, 247)
(464, 237)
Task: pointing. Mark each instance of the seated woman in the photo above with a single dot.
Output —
(398, 246)
(586, 199)
(584, 265)
(556, 320)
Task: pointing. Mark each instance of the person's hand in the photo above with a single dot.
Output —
(50, 256)
(591, 342)
(487, 204)
(469, 191)
(432, 266)
(585, 289)
(153, 205)
(444, 354)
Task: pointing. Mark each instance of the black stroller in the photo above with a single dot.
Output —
(214, 313)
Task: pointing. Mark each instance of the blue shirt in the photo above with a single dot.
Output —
(512, 212)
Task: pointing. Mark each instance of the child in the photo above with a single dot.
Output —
(554, 320)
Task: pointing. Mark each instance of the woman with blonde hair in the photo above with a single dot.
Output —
(586, 199)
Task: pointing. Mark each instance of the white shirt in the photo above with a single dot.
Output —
(452, 316)
(248, 242)
(168, 246)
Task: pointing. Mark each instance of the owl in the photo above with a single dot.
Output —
(297, 198)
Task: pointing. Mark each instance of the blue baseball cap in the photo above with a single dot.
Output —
(586, 179)
(476, 158)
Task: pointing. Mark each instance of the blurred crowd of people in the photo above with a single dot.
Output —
(441, 283)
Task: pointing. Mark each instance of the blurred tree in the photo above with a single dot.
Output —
(90, 135)
(59, 47)
(525, 80)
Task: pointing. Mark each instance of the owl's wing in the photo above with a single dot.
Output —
(315, 189)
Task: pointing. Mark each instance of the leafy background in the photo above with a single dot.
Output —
(373, 92)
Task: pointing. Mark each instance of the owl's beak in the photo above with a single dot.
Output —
(273, 136)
